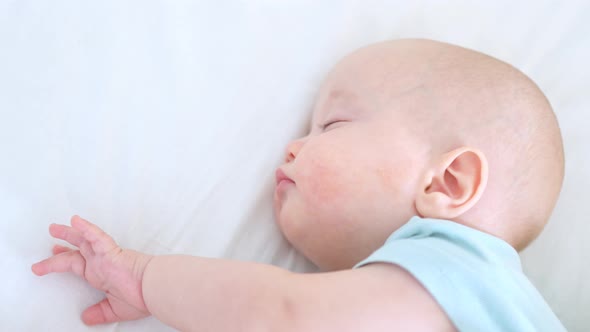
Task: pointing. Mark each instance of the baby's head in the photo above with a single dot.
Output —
(419, 128)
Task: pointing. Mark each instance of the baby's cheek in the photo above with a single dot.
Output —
(322, 185)
(327, 184)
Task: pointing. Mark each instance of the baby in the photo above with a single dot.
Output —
(426, 169)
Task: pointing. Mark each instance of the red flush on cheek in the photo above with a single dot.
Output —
(324, 185)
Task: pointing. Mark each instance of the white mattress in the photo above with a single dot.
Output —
(163, 121)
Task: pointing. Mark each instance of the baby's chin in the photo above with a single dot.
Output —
(288, 226)
(277, 207)
(282, 210)
(279, 218)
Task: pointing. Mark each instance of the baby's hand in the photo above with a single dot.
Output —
(104, 265)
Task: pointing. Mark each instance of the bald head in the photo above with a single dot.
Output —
(449, 97)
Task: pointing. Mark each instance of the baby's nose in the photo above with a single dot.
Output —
(293, 149)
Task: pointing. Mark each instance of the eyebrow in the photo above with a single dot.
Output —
(339, 93)
(339, 96)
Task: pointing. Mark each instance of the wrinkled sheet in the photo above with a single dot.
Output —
(163, 122)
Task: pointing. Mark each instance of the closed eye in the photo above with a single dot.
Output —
(330, 125)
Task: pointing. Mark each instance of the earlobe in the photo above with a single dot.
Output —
(453, 184)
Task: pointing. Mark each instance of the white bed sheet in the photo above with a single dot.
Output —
(163, 121)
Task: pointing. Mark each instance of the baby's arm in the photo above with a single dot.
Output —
(200, 294)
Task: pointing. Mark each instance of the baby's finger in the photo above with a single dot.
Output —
(101, 241)
(99, 313)
(71, 261)
(66, 233)
(57, 249)
(86, 250)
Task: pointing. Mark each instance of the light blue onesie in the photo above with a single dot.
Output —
(475, 277)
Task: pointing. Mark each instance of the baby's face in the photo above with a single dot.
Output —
(354, 174)
(414, 127)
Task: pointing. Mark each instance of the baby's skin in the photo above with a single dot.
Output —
(199, 294)
(400, 129)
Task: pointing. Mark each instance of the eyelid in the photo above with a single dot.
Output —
(331, 123)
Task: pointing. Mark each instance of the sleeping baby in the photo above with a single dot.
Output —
(426, 169)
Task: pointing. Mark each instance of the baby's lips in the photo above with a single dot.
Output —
(281, 176)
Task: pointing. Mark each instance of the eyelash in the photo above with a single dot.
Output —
(330, 123)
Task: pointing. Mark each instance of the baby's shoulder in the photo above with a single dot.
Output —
(458, 265)
(407, 297)
(376, 297)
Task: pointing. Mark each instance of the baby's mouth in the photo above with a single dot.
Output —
(280, 177)
(283, 182)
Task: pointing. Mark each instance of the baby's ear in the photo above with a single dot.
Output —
(453, 184)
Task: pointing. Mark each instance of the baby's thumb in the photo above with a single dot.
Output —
(99, 313)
